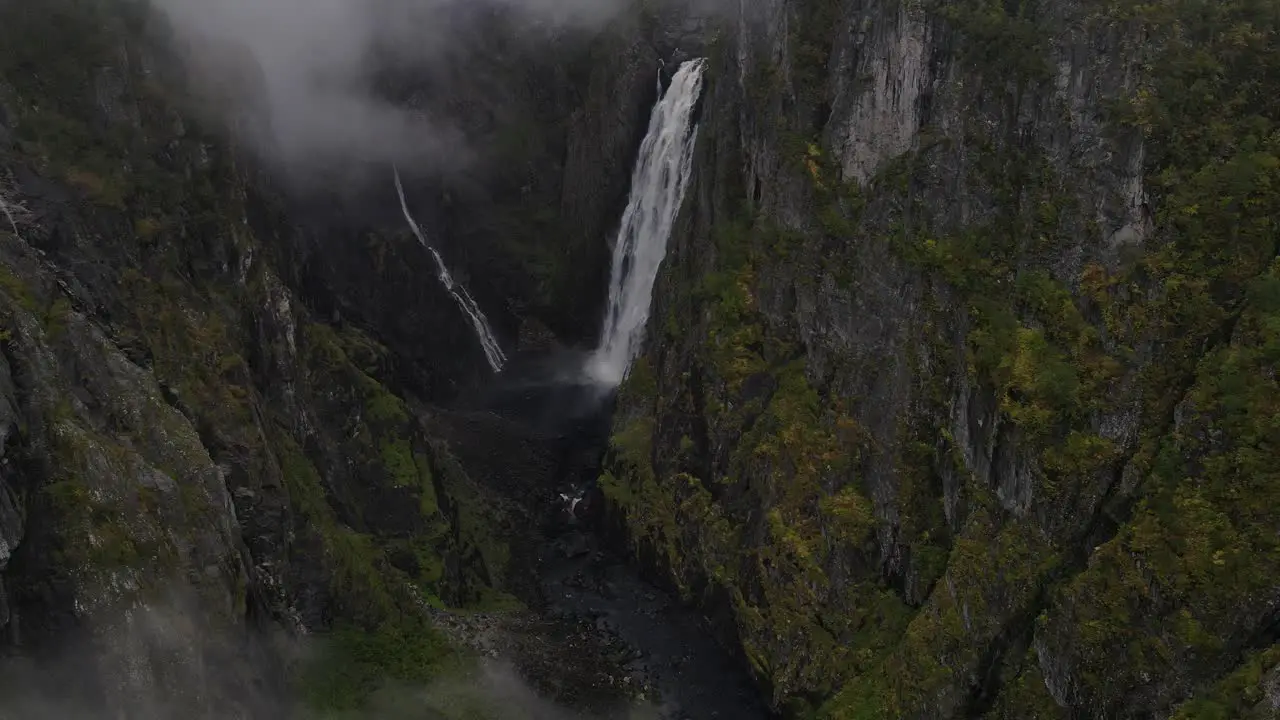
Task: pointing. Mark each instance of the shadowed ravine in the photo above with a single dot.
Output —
(587, 597)
(659, 652)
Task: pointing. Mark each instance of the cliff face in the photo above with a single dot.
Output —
(959, 398)
(205, 443)
(189, 455)
(961, 374)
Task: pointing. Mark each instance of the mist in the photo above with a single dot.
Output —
(297, 76)
(156, 664)
(491, 690)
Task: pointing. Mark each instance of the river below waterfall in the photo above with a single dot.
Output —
(597, 639)
(672, 651)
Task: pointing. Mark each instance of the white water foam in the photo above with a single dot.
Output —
(658, 187)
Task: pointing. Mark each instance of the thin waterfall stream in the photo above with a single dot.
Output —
(488, 341)
(620, 640)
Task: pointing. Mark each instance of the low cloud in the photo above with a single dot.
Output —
(297, 76)
(486, 690)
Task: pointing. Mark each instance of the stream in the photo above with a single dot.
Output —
(672, 649)
(597, 637)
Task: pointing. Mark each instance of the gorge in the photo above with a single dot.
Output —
(422, 359)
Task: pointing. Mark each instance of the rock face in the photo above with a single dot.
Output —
(961, 367)
(959, 398)
(129, 499)
(206, 451)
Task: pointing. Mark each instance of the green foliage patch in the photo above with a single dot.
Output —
(1179, 329)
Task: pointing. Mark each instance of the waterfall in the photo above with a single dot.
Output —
(658, 186)
(492, 350)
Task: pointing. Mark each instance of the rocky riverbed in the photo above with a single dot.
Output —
(670, 654)
(594, 637)
(604, 643)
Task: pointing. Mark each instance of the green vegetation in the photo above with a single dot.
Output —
(17, 290)
(1024, 695)
(355, 663)
(356, 565)
(1172, 586)
(1238, 695)
(1036, 345)
(291, 412)
(1001, 40)
(385, 638)
(813, 28)
(1053, 370)
(84, 119)
(786, 453)
(1067, 337)
(384, 434)
(376, 604)
(108, 530)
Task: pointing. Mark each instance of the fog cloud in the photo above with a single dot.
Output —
(297, 75)
(486, 690)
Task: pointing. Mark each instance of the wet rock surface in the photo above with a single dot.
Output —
(607, 644)
(597, 637)
(665, 649)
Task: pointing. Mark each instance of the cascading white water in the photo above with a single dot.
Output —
(492, 350)
(657, 190)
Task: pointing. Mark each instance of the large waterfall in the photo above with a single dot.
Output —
(657, 191)
(492, 350)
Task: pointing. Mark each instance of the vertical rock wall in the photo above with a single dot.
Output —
(955, 390)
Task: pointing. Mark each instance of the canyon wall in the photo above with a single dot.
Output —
(960, 387)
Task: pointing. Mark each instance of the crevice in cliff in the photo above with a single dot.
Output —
(1113, 510)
